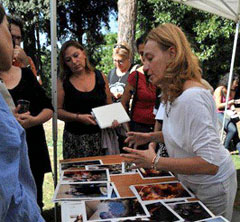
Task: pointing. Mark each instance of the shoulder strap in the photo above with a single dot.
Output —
(100, 79)
(134, 95)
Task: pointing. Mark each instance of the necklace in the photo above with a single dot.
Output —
(168, 108)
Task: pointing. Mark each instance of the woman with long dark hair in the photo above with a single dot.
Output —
(80, 88)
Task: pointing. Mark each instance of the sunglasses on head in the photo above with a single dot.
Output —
(121, 47)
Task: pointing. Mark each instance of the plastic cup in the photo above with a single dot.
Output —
(24, 105)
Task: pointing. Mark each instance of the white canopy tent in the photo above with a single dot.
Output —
(229, 9)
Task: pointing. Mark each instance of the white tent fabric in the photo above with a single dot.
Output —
(225, 8)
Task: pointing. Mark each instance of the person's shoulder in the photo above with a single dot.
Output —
(195, 93)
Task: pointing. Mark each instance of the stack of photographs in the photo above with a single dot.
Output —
(81, 191)
(78, 164)
(74, 176)
(72, 211)
(215, 219)
(114, 169)
(114, 210)
(86, 194)
(154, 174)
(191, 211)
(168, 191)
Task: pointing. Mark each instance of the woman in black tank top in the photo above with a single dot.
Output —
(80, 89)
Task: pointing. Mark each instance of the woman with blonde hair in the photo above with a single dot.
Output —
(118, 76)
(80, 88)
(189, 132)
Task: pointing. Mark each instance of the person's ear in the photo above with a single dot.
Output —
(172, 51)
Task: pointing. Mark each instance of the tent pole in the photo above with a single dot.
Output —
(54, 91)
(230, 76)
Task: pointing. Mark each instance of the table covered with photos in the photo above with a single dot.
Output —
(105, 188)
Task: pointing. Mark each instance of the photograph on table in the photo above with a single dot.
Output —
(127, 168)
(113, 191)
(159, 211)
(114, 169)
(192, 211)
(81, 191)
(77, 176)
(154, 174)
(214, 219)
(167, 191)
(72, 211)
(78, 164)
(114, 209)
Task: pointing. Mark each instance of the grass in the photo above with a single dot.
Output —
(48, 187)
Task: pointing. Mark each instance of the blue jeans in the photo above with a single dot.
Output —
(231, 132)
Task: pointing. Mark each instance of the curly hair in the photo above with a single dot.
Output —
(184, 66)
(65, 71)
(224, 79)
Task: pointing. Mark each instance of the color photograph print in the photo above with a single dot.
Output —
(160, 212)
(114, 191)
(72, 211)
(215, 219)
(191, 211)
(75, 176)
(154, 174)
(78, 164)
(114, 169)
(167, 191)
(81, 191)
(127, 168)
(114, 209)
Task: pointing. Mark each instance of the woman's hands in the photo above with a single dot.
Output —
(142, 158)
(135, 139)
(87, 119)
(26, 120)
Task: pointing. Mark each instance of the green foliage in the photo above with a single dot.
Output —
(46, 71)
(103, 53)
(211, 36)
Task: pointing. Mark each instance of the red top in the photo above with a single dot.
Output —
(146, 96)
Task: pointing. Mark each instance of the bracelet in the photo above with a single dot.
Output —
(153, 161)
(156, 162)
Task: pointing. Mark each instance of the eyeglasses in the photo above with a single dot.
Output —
(121, 47)
(119, 61)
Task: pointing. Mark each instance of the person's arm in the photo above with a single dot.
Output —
(218, 98)
(136, 138)
(28, 121)
(188, 166)
(68, 116)
(157, 128)
(107, 90)
(126, 97)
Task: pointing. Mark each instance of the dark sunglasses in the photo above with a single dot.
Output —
(121, 47)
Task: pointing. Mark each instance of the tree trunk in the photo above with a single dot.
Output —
(127, 11)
